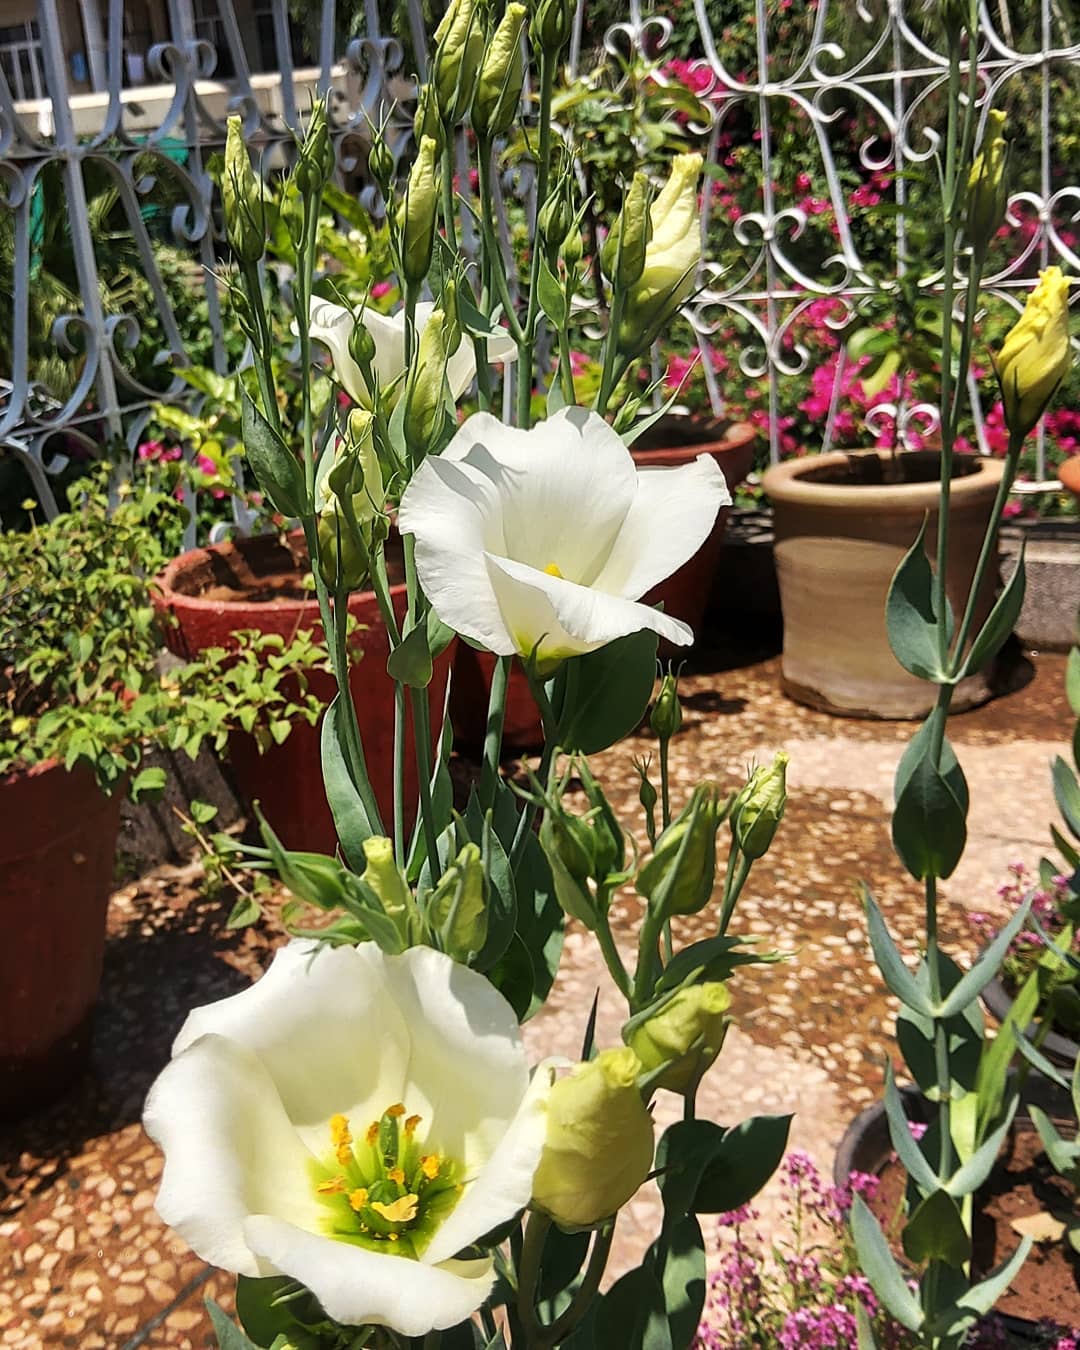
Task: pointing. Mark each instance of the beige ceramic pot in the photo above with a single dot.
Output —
(840, 532)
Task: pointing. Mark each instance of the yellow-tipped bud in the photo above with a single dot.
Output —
(425, 390)
(459, 48)
(686, 1035)
(759, 807)
(988, 188)
(599, 1143)
(679, 877)
(498, 91)
(457, 909)
(242, 199)
(1035, 356)
(416, 214)
(623, 254)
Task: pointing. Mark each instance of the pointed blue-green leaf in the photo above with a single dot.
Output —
(350, 818)
(980, 1298)
(903, 1141)
(978, 1167)
(999, 622)
(985, 968)
(1072, 680)
(410, 661)
(276, 469)
(893, 971)
(880, 1268)
(1067, 795)
(909, 615)
(229, 1336)
(1063, 1154)
(865, 1330)
(1067, 850)
(1038, 1060)
(929, 824)
(936, 1232)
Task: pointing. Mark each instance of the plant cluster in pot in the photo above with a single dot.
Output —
(669, 442)
(80, 699)
(210, 594)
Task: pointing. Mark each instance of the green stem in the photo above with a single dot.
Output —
(422, 739)
(566, 369)
(608, 377)
(612, 959)
(449, 213)
(941, 1035)
(264, 365)
(493, 732)
(532, 1255)
(492, 252)
(648, 940)
(579, 1305)
(526, 348)
(734, 881)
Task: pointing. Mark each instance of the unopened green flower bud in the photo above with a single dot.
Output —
(555, 220)
(678, 878)
(686, 1035)
(568, 846)
(459, 48)
(498, 91)
(666, 716)
(988, 187)
(572, 249)
(599, 1143)
(315, 162)
(381, 165)
(427, 120)
(426, 387)
(759, 807)
(457, 908)
(343, 558)
(416, 214)
(1035, 356)
(647, 798)
(242, 199)
(551, 25)
(609, 843)
(361, 345)
(386, 879)
(623, 254)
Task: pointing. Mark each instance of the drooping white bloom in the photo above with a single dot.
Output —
(545, 539)
(332, 325)
(355, 1121)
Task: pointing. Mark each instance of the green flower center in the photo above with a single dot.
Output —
(383, 1191)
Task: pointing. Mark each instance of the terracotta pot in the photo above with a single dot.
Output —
(57, 854)
(1069, 475)
(253, 583)
(840, 532)
(667, 444)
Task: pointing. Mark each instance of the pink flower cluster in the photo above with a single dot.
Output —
(1046, 910)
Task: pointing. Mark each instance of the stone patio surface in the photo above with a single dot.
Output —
(85, 1261)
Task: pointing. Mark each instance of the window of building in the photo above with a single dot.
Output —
(20, 60)
(210, 27)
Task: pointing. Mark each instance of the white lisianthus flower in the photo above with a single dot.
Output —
(332, 325)
(355, 1121)
(546, 539)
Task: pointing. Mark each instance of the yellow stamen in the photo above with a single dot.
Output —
(429, 1165)
(359, 1198)
(332, 1187)
(552, 569)
(339, 1129)
(393, 1237)
(396, 1174)
(397, 1110)
(372, 1132)
(411, 1124)
(398, 1211)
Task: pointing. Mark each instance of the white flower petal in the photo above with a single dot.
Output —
(355, 1285)
(505, 1185)
(321, 1021)
(230, 1151)
(569, 618)
(671, 517)
(332, 325)
(388, 334)
(467, 1072)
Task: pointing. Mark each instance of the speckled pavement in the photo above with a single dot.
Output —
(86, 1263)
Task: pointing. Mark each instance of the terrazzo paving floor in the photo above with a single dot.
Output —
(84, 1261)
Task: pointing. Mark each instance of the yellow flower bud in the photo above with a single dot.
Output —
(623, 254)
(385, 878)
(459, 48)
(599, 1143)
(987, 189)
(671, 257)
(416, 214)
(759, 807)
(1035, 356)
(502, 74)
(242, 199)
(457, 909)
(427, 120)
(686, 1035)
(426, 389)
(678, 878)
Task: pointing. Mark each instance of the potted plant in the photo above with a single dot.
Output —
(80, 699)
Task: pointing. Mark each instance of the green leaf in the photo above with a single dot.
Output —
(1067, 851)
(606, 693)
(909, 614)
(563, 1256)
(935, 1232)
(350, 818)
(929, 824)
(632, 1315)
(903, 1141)
(514, 977)
(410, 661)
(680, 1255)
(708, 1170)
(712, 958)
(540, 921)
(865, 1330)
(148, 783)
(202, 813)
(1067, 795)
(977, 1301)
(880, 1267)
(1063, 1154)
(1072, 680)
(896, 975)
(276, 468)
(978, 1167)
(440, 635)
(964, 1034)
(245, 911)
(551, 294)
(999, 622)
(971, 985)
(229, 1336)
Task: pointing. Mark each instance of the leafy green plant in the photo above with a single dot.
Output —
(79, 650)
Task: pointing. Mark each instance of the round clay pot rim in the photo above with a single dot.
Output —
(738, 435)
(786, 483)
(38, 770)
(167, 594)
(1059, 1048)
